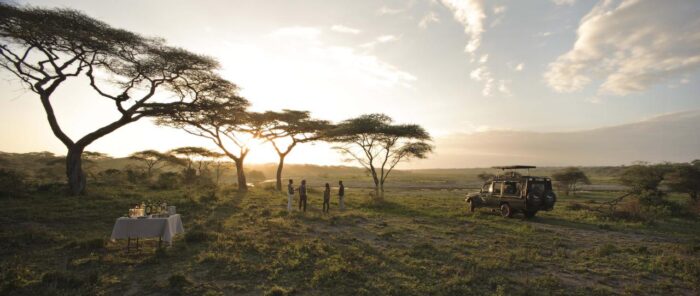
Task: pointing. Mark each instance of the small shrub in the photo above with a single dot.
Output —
(11, 183)
(168, 180)
(277, 291)
(179, 281)
(209, 196)
(574, 206)
(197, 236)
(606, 250)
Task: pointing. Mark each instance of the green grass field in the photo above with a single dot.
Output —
(416, 242)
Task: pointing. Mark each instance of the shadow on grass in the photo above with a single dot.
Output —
(554, 221)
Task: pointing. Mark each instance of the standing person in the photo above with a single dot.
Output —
(327, 198)
(302, 195)
(341, 194)
(290, 195)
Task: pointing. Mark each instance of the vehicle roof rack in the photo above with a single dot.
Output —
(515, 167)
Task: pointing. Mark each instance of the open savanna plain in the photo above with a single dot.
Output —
(414, 242)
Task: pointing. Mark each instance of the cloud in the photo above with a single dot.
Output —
(304, 44)
(519, 67)
(469, 13)
(630, 45)
(344, 29)
(499, 9)
(379, 40)
(564, 2)
(429, 18)
(385, 10)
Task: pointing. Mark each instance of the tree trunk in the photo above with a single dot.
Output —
(278, 185)
(242, 184)
(74, 170)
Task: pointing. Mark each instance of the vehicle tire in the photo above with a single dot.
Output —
(530, 213)
(471, 206)
(506, 210)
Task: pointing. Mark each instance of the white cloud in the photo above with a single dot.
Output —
(344, 29)
(429, 18)
(519, 67)
(630, 45)
(504, 87)
(499, 9)
(380, 40)
(304, 44)
(483, 75)
(469, 13)
(564, 2)
(483, 59)
(385, 10)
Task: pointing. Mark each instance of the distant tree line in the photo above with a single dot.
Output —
(144, 77)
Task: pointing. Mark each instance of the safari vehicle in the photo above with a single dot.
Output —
(511, 192)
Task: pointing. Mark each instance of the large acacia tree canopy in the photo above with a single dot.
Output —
(62, 30)
(378, 125)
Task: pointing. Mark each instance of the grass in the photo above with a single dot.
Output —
(416, 242)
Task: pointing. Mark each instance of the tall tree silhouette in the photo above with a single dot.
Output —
(379, 145)
(220, 116)
(284, 130)
(46, 47)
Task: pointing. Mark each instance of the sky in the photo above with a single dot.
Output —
(457, 68)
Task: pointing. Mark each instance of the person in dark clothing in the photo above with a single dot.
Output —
(302, 195)
(341, 195)
(327, 198)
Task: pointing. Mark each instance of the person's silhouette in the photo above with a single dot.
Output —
(290, 195)
(302, 196)
(327, 198)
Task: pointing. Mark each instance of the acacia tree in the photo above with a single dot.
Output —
(685, 178)
(379, 145)
(219, 116)
(154, 159)
(196, 154)
(284, 130)
(485, 176)
(569, 178)
(46, 47)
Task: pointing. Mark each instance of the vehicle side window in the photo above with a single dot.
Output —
(486, 187)
(490, 187)
(510, 188)
(496, 188)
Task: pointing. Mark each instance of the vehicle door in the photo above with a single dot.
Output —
(511, 193)
(493, 198)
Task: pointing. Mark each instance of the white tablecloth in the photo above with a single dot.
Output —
(165, 228)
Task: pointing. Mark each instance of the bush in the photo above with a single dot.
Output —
(112, 177)
(136, 176)
(179, 281)
(277, 291)
(168, 180)
(11, 183)
(256, 176)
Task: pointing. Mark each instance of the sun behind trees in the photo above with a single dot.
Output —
(46, 47)
(144, 77)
